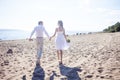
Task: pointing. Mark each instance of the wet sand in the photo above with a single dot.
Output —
(90, 57)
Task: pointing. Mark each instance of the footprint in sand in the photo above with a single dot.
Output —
(100, 69)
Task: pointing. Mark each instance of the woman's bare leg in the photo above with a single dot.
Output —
(58, 55)
(61, 54)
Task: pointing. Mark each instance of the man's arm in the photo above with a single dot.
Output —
(32, 34)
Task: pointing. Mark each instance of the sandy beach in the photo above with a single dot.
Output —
(90, 57)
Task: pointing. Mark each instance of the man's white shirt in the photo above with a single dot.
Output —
(39, 30)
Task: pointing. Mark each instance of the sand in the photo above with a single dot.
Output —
(90, 57)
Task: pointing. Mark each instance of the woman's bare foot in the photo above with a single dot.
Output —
(60, 62)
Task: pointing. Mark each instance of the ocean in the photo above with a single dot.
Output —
(11, 34)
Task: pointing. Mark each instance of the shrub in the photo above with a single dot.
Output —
(113, 28)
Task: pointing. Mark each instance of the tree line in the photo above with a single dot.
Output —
(113, 28)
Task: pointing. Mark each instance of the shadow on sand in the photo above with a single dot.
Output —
(39, 73)
(70, 73)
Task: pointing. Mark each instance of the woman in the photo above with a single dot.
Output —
(60, 40)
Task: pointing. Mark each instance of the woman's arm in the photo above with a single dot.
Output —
(53, 34)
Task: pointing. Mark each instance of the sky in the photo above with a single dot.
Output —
(77, 15)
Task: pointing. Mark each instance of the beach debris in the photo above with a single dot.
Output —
(10, 51)
(0, 72)
(89, 76)
(2, 64)
(100, 70)
(6, 62)
(102, 77)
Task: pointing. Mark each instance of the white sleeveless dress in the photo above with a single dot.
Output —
(60, 41)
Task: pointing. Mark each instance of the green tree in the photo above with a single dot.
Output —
(113, 28)
(117, 27)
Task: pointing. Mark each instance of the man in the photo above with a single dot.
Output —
(39, 30)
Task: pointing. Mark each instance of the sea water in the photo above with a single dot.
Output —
(11, 34)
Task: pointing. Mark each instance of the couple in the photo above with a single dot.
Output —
(60, 40)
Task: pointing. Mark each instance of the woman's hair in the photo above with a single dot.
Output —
(60, 23)
(40, 22)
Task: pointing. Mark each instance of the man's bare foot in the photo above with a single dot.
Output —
(38, 62)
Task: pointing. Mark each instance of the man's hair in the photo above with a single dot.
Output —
(40, 22)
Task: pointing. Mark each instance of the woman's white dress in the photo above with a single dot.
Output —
(60, 41)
